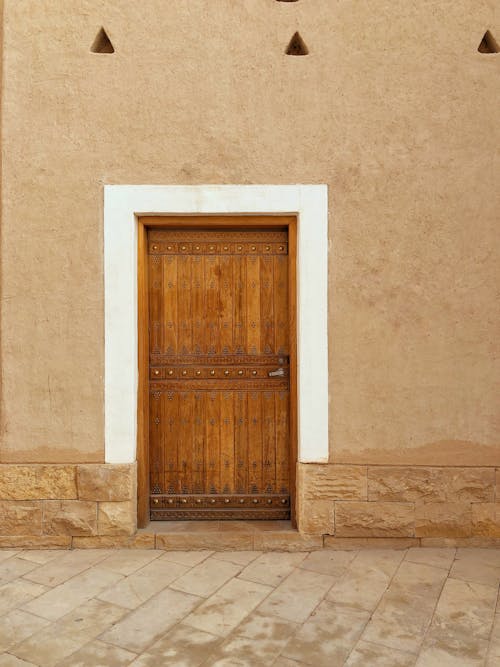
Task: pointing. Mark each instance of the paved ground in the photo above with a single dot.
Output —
(420, 607)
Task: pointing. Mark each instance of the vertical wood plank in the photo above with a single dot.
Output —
(267, 317)
(241, 441)
(225, 305)
(240, 305)
(170, 316)
(197, 302)
(255, 442)
(184, 305)
(212, 310)
(281, 297)
(156, 320)
(185, 449)
(253, 305)
(156, 425)
(170, 440)
(199, 442)
(212, 452)
(269, 441)
(227, 442)
(282, 460)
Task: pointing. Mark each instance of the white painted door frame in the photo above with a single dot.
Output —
(123, 204)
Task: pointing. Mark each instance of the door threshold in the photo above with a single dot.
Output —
(230, 536)
(218, 526)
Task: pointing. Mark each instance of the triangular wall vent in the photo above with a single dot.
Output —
(297, 46)
(102, 43)
(488, 44)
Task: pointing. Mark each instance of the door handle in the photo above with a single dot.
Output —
(278, 373)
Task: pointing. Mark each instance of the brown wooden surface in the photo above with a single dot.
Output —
(219, 321)
(143, 388)
(292, 343)
(238, 223)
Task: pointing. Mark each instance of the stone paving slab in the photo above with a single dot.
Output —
(368, 608)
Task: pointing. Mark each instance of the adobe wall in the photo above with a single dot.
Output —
(393, 108)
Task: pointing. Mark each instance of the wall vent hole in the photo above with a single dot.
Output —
(102, 43)
(297, 46)
(287, 0)
(488, 44)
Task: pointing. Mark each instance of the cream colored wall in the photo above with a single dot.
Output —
(393, 108)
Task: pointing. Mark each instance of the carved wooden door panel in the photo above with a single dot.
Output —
(219, 374)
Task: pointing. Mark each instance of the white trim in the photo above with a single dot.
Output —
(122, 205)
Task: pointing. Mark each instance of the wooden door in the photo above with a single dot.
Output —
(219, 374)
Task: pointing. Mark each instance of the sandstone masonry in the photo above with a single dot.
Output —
(46, 506)
(338, 506)
(415, 502)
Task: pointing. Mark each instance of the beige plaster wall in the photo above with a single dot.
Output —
(394, 109)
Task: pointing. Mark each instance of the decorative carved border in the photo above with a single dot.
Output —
(217, 250)
(230, 235)
(206, 384)
(213, 359)
(218, 501)
(220, 515)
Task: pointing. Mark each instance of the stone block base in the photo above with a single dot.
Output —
(398, 502)
(47, 505)
(338, 507)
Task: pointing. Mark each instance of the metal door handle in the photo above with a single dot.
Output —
(279, 372)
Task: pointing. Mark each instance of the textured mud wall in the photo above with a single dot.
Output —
(393, 108)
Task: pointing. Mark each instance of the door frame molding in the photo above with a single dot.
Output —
(124, 244)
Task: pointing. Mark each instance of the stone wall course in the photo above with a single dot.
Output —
(486, 519)
(37, 481)
(431, 484)
(106, 482)
(116, 518)
(19, 517)
(67, 501)
(316, 517)
(334, 502)
(332, 482)
(69, 517)
(35, 542)
(374, 519)
(443, 519)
